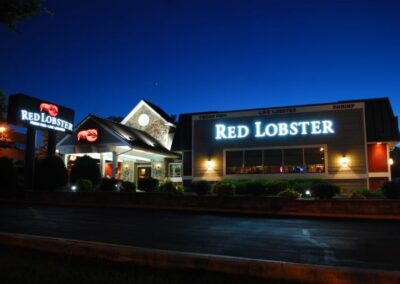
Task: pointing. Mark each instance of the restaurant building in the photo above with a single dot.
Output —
(347, 143)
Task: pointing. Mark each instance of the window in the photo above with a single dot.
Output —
(175, 170)
(293, 161)
(314, 159)
(234, 162)
(274, 161)
(253, 162)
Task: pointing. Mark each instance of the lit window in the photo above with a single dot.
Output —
(175, 170)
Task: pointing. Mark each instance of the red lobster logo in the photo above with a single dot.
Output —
(52, 110)
(90, 135)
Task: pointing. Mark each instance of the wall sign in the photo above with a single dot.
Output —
(264, 130)
(27, 110)
(89, 135)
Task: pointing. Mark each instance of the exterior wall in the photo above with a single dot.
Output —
(156, 126)
(348, 139)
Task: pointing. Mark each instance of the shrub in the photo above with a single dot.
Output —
(256, 188)
(7, 173)
(85, 168)
(108, 184)
(201, 187)
(240, 185)
(302, 185)
(148, 184)
(369, 193)
(391, 189)
(356, 195)
(128, 186)
(289, 193)
(224, 188)
(169, 187)
(180, 189)
(275, 186)
(324, 190)
(84, 185)
(50, 173)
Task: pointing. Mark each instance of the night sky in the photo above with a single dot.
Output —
(102, 56)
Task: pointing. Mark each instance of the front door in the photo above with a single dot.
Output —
(143, 173)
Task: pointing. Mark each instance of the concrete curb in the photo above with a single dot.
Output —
(284, 271)
(214, 210)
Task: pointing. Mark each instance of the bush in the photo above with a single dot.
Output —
(201, 187)
(289, 193)
(108, 184)
(256, 188)
(128, 186)
(240, 185)
(369, 193)
(357, 195)
(275, 186)
(84, 185)
(170, 187)
(391, 189)
(7, 173)
(302, 185)
(50, 173)
(324, 190)
(85, 168)
(224, 188)
(148, 184)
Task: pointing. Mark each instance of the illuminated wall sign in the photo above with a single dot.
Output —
(27, 110)
(262, 130)
(89, 135)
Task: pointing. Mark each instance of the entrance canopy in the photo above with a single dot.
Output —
(99, 135)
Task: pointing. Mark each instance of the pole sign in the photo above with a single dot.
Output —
(29, 111)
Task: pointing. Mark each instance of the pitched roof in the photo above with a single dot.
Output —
(135, 138)
(161, 112)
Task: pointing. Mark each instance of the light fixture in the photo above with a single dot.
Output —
(72, 158)
(73, 188)
(391, 162)
(321, 149)
(210, 165)
(344, 160)
(3, 129)
(379, 143)
(158, 166)
(308, 192)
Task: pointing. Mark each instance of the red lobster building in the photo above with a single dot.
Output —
(347, 143)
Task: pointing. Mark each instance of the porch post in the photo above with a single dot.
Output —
(114, 164)
(102, 165)
(66, 156)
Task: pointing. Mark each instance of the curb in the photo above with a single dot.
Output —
(266, 269)
(213, 210)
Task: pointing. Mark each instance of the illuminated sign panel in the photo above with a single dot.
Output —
(265, 130)
(27, 110)
(89, 135)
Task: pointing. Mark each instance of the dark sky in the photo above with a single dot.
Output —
(186, 55)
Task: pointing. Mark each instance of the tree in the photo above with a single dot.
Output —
(3, 105)
(13, 11)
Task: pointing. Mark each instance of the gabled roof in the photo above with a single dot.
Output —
(156, 109)
(133, 137)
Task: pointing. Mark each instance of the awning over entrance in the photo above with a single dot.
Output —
(117, 144)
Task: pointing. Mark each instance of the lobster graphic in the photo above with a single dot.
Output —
(90, 135)
(52, 110)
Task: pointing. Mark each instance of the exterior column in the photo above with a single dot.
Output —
(66, 156)
(102, 165)
(114, 164)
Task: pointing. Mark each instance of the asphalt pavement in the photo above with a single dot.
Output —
(339, 242)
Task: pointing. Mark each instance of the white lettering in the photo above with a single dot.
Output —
(220, 129)
(327, 126)
(274, 129)
(293, 129)
(231, 132)
(258, 129)
(283, 129)
(243, 131)
(303, 125)
(315, 127)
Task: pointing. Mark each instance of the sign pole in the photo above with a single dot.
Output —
(30, 157)
(51, 143)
